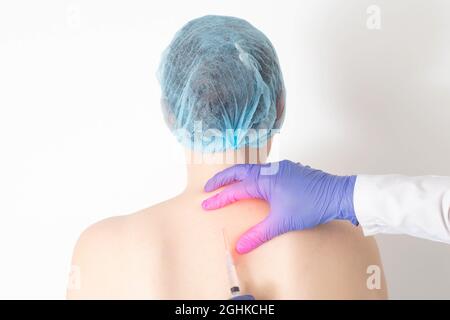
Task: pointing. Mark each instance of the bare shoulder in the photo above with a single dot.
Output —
(96, 246)
(99, 236)
(114, 232)
(104, 249)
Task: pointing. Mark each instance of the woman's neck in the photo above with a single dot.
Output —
(203, 166)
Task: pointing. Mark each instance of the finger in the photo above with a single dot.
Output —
(230, 194)
(257, 235)
(227, 176)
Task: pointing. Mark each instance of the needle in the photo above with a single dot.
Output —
(231, 268)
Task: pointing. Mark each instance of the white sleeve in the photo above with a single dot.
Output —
(417, 206)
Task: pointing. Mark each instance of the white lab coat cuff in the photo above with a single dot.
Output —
(417, 206)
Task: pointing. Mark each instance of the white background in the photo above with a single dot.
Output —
(82, 136)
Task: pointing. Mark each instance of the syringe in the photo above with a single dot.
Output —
(232, 274)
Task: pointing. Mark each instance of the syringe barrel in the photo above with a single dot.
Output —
(232, 274)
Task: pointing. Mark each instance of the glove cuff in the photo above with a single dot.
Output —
(347, 209)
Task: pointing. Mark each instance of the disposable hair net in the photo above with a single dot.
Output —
(222, 86)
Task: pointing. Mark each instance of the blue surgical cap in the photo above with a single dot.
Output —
(222, 87)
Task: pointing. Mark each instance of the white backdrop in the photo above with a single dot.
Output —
(80, 122)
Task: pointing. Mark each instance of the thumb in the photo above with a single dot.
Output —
(257, 235)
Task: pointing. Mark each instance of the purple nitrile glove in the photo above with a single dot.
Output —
(299, 197)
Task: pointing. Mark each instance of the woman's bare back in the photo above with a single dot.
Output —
(175, 250)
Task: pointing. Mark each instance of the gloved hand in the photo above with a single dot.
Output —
(299, 197)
